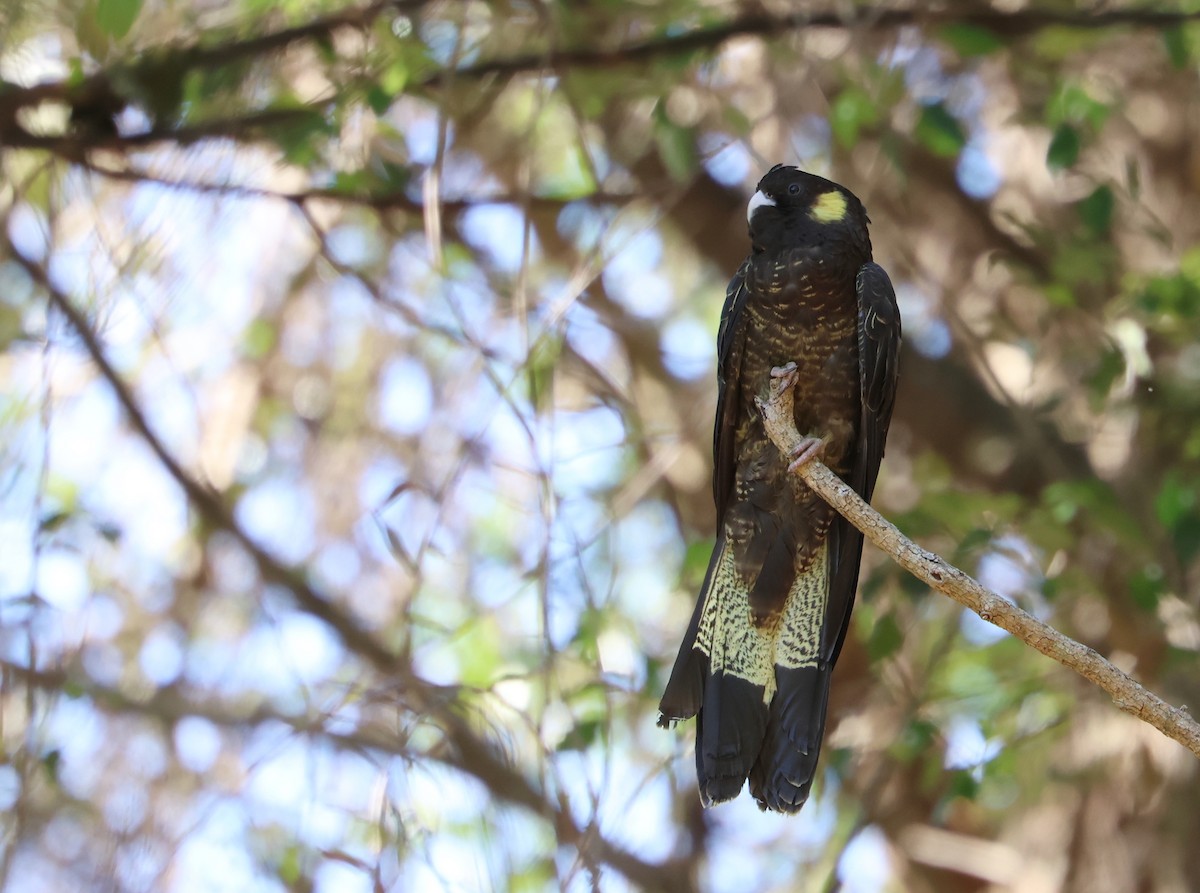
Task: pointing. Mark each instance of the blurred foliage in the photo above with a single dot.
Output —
(421, 297)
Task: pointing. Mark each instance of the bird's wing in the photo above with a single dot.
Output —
(731, 338)
(878, 365)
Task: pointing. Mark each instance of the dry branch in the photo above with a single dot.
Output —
(1174, 722)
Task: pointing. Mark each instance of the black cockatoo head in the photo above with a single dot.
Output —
(793, 208)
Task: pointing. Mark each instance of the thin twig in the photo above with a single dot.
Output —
(468, 751)
(939, 574)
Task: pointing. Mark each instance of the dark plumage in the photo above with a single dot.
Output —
(756, 660)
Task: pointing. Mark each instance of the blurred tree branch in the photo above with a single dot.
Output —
(939, 574)
(96, 98)
(468, 751)
(1008, 24)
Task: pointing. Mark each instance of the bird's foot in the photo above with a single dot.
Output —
(785, 377)
(806, 450)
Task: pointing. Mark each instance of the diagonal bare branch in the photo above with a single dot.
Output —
(939, 574)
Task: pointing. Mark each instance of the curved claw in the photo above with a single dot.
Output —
(786, 376)
(808, 449)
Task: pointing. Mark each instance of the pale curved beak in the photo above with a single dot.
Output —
(758, 200)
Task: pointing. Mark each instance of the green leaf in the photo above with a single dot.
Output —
(297, 135)
(853, 111)
(378, 99)
(50, 763)
(1074, 105)
(886, 638)
(116, 17)
(1064, 147)
(940, 131)
(1096, 210)
(695, 562)
(971, 40)
(539, 370)
(258, 339)
(676, 145)
(582, 736)
(1175, 41)
(963, 784)
(1146, 587)
(1174, 501)
(394, 78)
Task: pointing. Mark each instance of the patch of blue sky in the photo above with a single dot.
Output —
(197, 743)
(461, 864)
(278, 514)
(728, 161)
(214, 858)
(637, 807)
(405, 396)
(161, 656)
(16, 288)
(337, 565)
(10, 787)
(353, 246)
(307, 647)
(433, 660)
(412, 517)
(124, 808)
(350, 313)
(927, 332)
(211, 663)
(139, 868)
(79, 731)
(584, 224)
(145, 754)
(865, 865)
(16, 555)
(141, 499)
(811, 139)
(27, 228)
(631, 272)
(62, 579)
(1010, 569)
(277, 759)
(495, 584)
(590, 338)
(104, 662)
(87, 417)
(336, 876)
(101, 618)
(745, 828)
(967, 747)
(588, 450)
(649, 535)
(169, 406)
(580, 523)
(922, 65)
(499, 231)
(420, 129)
(978, 176)
(508, 436)
(688, 348)
(467, 303)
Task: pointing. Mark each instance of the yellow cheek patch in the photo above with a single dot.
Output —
(830, 207)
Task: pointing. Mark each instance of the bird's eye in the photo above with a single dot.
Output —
(794, 189)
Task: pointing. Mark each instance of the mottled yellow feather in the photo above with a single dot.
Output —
(736, 646)
(830, 207)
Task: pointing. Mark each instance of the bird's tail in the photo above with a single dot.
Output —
(782, 778)
(756, 686)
